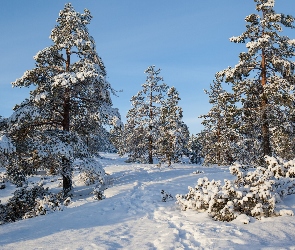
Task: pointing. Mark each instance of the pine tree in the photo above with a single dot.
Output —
(71, 98)
(100, 141)
(141, 130)
(154, 125)
(117, 139)
(174, 134)
(263, 84)
(194, 149)
(219, 137)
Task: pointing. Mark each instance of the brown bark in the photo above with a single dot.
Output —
(66, 166)
(218, 148)
(264, 101)
(66, 104)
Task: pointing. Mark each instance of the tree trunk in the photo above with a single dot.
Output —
(170, 151)
(66, 165)
(264, 101)
(150, 146)
(218, 142)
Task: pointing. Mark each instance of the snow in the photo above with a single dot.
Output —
(133, 215)
(6, 144)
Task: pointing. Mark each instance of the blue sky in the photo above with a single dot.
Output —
(188, 40)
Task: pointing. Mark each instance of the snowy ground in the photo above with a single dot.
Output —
(133, 216)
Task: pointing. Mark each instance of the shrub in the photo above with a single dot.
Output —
(91, 173)
(29, 202)
(47, 204)
(22, 202)
(98, 193)
(253, 193)
(166, 196)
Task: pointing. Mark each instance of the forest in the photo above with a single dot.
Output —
(68, 124)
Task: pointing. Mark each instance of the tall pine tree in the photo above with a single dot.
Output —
(174, 134)
(263, 85)
(141, 130)
(154, 127)
(220, 136)
(70, 100)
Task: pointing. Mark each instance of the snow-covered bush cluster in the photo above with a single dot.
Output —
(28, 202)
(47, 204)
(253, 193)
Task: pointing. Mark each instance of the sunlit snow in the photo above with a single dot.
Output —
(133, 215)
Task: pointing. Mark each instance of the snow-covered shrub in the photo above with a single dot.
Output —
(98, 192)
(280, 167)
(91, 172)
(28, 202)
(279, 172)
(253, 193)
(47, 204)
(89, 176)
(199, 197)
(16, 176)
(22, 202)
(166, 196)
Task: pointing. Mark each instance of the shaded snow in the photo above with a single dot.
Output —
(133, 216)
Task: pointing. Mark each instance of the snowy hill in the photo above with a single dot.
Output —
(133, 216)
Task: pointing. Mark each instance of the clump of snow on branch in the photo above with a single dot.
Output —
(6, 145)
(90, 171)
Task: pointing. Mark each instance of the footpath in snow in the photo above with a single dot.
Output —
(133, 216)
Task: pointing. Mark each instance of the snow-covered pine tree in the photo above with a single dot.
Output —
(194, 149)
(100, 141)
(117, 139)
(71, 99)
(174, 133)
(142, 128)
(219, 137)
(263, 83)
